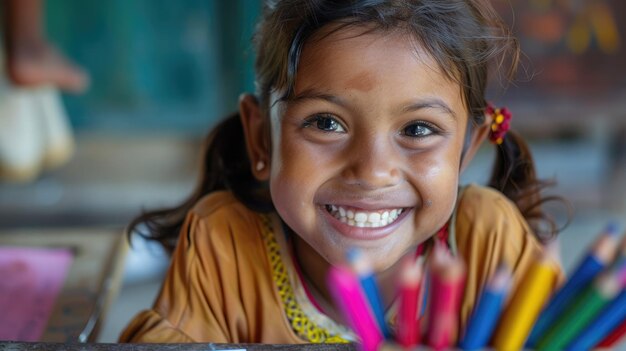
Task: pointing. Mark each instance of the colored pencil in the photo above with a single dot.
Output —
(447, 277)
(526, 303)
(620, 259)
(348, 296)
(618, 332)
(361, 266)
(599, 256)
(487, 312)
(614, 338)
(408, 328)
(586, 306)
(604, 323)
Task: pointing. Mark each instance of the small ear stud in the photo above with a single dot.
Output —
(260, 165)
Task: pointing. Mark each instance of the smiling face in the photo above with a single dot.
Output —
(367, 152)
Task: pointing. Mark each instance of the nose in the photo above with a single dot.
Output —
(372, 163)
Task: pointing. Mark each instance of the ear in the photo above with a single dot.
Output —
(257, 137)
(477, 137)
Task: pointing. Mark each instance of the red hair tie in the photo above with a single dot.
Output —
(501, 123)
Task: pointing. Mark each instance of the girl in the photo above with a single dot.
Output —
(366, 114)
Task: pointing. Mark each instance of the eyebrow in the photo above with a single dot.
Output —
(430, 103)
(311, 94)
(419, 104)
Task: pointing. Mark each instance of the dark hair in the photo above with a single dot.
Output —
(465, 37)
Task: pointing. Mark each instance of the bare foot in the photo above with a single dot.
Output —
(41, 63)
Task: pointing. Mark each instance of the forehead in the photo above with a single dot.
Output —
(358, 59)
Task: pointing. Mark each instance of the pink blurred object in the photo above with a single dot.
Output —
(32, 279)
(346, 291)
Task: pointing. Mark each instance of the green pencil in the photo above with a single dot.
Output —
(581, 312)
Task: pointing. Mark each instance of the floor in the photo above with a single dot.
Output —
(112, 179)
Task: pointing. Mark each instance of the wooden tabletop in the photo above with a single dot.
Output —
(92, 281)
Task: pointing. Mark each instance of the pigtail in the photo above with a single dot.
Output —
(515, 176)
(225, 165)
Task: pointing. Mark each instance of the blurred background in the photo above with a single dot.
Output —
(163, 72)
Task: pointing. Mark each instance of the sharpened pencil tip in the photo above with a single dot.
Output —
(358, 261)
(352, 254)
(622, 274)
(552, 251)
(501, 280)
(612, 228)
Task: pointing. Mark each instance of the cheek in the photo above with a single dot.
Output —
(297, 173)
(437, 179)
(440, 188)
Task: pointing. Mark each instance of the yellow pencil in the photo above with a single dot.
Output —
(526, 304)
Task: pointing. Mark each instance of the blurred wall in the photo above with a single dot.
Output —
(180, 65)
(156, 64)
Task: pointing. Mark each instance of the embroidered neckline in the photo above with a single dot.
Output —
(305, 284)
(301, 324)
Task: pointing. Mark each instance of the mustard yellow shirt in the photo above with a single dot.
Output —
(232, 280)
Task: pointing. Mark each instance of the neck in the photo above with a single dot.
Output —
(313, 267)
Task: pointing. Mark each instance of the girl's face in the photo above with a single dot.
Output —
(367, 154)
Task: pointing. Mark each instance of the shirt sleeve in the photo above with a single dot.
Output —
(150, 327)
(490, 230)
(188, 307)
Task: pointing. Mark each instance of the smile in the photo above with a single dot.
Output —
(364, 219)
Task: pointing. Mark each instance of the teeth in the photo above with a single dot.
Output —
(373, 217)
(360, 217)
(364, 219)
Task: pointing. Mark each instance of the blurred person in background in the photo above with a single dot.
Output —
(31, 60)
(35, 134)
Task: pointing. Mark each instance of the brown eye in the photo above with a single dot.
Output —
(418, 130)
(325, 123)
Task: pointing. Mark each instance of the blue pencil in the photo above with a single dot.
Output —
(608, 319)
(361, 267)
(487, 311)
(601, 254)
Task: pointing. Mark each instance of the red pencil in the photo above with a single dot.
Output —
(408, 334)
(447, 283)
(614, 337)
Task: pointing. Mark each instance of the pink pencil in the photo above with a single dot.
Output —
(447, 283)
(408, 334)
(349, 298)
